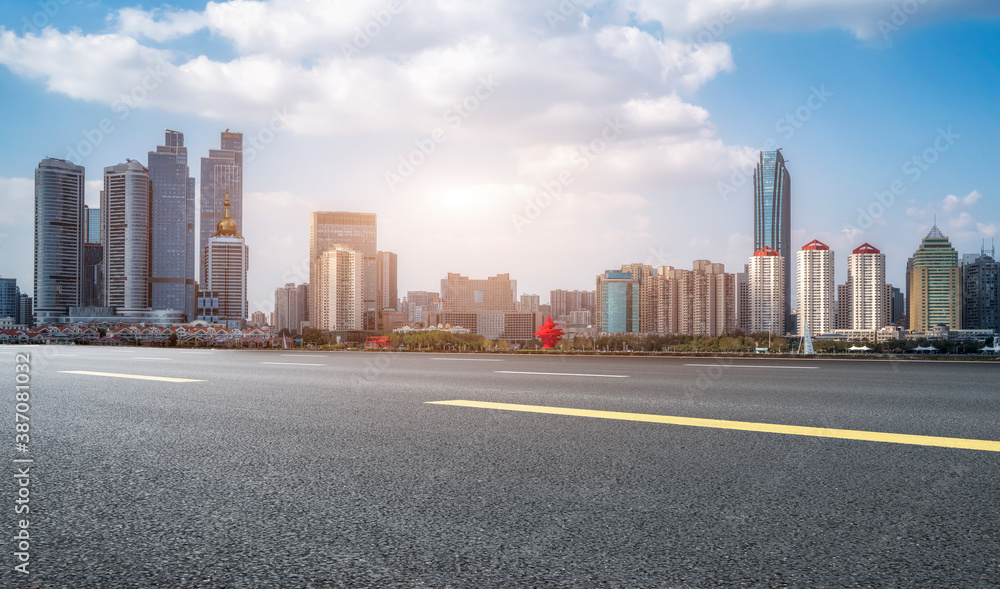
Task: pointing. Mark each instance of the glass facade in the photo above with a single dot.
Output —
(125, 202)
(59, 196)
(980, 291)
(935, 284)
(619, 304)
(172, 280)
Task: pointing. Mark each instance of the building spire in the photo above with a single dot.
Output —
(226, 227)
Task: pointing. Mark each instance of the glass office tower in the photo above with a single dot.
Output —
(772, 220)
(59, 190)
(173, 256)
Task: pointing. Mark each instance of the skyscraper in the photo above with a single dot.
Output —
(221, 176)
(816, 291)
(980, 291)
(125, 204)
(935, 284)
(355, 230)
(768, 305)
(59, 197)
(92, 225)
(772, 224)
(387, 291)
(92, 280)
(10, 299)
(226, 260)
(866, 281)
(173, 256)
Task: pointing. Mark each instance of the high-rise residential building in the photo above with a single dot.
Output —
(618, 299)
(981, 291)
(564, 302)
(356, 231)
(529, 302)
(644, 273)
(258, 318)
(935, 284)
(701, 301)
(496, 293)
(289, 308)
(221, 177)
(226, 261)
(816, 291)
(91, 225)
(386, 288)
(418, 304)
(843, 319)
(341, 292)
(172, 218)
(866, 280)
(744, 311)
(59, 197)
(125, 204)
(768, 304)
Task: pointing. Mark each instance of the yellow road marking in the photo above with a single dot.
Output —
(795, 430)
(135, 376)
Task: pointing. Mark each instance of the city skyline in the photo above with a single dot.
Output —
(671, 184)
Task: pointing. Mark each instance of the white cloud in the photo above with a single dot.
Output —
(159, 24)
(987, 230)
(949, 202)
(971, 198)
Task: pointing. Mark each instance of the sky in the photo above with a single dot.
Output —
(551, 140)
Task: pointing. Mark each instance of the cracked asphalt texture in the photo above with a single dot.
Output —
(341, 475)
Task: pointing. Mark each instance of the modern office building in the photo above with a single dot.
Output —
(843, 319)
(645, 274)
(386, 287)
(173, 257)
(618, 300)
(816, 292)
(25, 317)
(91, 225)
(125, 202)
(866, 281)
(510, 326)
(226, 261)
(935, 284)
(341, 292)
(496, 293)
(768, 304)
(221, 178)
(981, 291)
(893, 305)
(10, 300)
(772, 225)
(354, 230)
(59, 197)
(93, 275)
(290, 304)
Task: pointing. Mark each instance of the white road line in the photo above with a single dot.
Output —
(754, 366)
(294, 363)
(135, 376)
(562, 374)
(470, 359)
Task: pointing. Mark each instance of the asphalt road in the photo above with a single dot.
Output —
(292, 469)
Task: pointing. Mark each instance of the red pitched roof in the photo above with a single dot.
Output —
(867, 248)
(816, 245)
(766, 251)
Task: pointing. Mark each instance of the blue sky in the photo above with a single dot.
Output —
(691, 91)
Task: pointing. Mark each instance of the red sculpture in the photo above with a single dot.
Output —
(549, 334)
